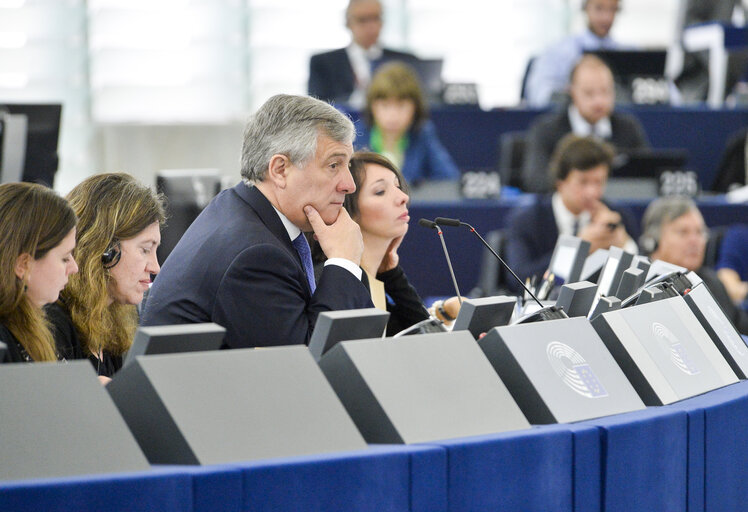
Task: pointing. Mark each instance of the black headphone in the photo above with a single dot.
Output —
(111, 256)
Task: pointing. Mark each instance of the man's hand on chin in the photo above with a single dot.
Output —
(341, 239)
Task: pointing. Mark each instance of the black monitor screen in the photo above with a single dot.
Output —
(43, 125)
(429, 73)
(172, 339)
(639, 75)
(350, 324)
(640, 163)
(629, 64)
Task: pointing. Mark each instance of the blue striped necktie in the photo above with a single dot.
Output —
(305, 253)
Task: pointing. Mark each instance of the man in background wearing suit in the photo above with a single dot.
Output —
(343, 75)
(548, 75)
(245, 263)
(579, 169)
(590, 113)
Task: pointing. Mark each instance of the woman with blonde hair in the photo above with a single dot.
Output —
(37, 237)
(118, 233)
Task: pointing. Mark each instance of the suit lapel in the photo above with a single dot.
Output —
(267, 214)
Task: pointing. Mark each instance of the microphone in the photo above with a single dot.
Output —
(433, 225)
(545, 312)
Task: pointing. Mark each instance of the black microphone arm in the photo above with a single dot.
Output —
(433, 225)
(458, 223)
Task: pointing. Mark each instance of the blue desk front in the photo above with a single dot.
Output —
(690, 456)
(423, 260)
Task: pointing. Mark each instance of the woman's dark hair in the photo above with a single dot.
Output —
(357, 165)
(359, 161)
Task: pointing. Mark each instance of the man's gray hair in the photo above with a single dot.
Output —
(289, 125)
(660, 212)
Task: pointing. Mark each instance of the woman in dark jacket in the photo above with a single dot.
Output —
(37, 237)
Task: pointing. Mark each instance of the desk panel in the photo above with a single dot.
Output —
(644, 461)
(528, 470)
(376, 480)
(161, 489)
(691, 455)
(725, 450)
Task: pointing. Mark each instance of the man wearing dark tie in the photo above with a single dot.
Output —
(590, 113)
(245, 263)
(343, 75)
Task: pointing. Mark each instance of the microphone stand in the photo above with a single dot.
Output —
(433, 225)
(545, 312)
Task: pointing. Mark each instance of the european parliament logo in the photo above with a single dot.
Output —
(574, 371)
(675, 349)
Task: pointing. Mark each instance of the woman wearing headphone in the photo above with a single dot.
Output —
(119, 229)
(37, 237)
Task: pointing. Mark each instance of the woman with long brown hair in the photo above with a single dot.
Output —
(396, 125)
(37, 237)
(118, 233)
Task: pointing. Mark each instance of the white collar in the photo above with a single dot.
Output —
(374, 52)
(591, 41)
(565, 219)
(579, 125)
(291, 228)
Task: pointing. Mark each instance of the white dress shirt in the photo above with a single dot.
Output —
(361, 60)
(565, 221)
(579, 125)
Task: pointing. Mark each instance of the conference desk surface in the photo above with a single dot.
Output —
(421, 254)
(691, 455)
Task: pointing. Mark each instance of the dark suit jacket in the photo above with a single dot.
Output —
(236, 266)
(331, 75)
(545, 132)
(732, 164)
(531, 237)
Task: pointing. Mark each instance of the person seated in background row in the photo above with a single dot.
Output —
(590, 112)
(342, 75)
(37, 238)
(673, 230)
(397, 126)
(118, 233)
(733, 166)
(244, 263)
(579, 168)
(732, 264)
(548, 75)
